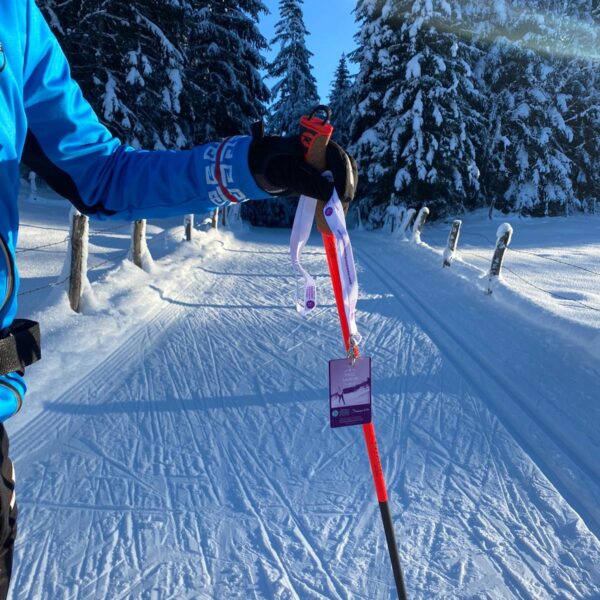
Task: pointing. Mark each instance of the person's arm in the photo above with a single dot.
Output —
(68, 146)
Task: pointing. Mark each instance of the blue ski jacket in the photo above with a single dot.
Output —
(45, 120)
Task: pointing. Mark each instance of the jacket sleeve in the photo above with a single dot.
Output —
(68, 146)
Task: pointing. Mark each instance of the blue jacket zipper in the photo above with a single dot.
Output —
(10, 273)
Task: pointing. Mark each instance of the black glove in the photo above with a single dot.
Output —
(278, 166)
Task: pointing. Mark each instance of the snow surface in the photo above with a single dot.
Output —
(175, 443)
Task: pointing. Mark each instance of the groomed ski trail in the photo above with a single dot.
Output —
(197, 461)
(553, 417)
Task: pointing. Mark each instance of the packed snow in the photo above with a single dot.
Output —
(175, 440)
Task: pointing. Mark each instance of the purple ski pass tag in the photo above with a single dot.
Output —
(349, 392)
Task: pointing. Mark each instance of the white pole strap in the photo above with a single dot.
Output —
(334, 215)
(306, 290)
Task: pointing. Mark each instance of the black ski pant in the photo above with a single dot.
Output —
(8, 514)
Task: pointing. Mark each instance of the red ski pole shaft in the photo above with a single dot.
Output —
(315, 135)
(368, 429)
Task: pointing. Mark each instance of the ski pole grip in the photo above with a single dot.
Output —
(315, 133)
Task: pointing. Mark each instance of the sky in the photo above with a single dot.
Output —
(332, 28)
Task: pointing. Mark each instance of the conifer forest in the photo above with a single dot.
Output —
(459, 104)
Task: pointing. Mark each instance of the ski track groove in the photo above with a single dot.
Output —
(212, 385)
(502, 566)
(492, 374)
(213, 490)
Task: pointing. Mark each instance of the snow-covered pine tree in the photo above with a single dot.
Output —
(582, 95)
(166, 73)
(128, 59)
(370, 84)
(418, 104)
(224, 64)
(294, 94)
(160, 42)
(529, 168)
(341, 102)
(295, 91)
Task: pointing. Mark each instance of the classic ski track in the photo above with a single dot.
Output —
(422, 314)
(102, 376)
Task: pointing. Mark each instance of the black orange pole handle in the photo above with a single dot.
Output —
(315, 133)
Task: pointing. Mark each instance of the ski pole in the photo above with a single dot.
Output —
(315, 135)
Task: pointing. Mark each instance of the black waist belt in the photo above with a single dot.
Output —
(20, 346)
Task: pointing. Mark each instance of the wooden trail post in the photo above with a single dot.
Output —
(360, 226)
(79, 251)
(408, 217)
(452, 242)
(224, 216)
(418, 226)
(138, 241)
(188, 223)
(503, 239)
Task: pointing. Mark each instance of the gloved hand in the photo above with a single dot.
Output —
(278, 166)
(12, 392)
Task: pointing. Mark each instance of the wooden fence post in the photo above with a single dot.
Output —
(224, 216)
(409, 215)
(399, 221)
(452, 242)
(360, 226)
(188, 223)
(393, 218)
(79, 252)
(215, 218)
(503, 238)
(138, 242)
(418, 226)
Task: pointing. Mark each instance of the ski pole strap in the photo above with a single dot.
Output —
(20, 346)
(334, 215)
(306, 289)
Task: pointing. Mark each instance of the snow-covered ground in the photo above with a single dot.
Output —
(553, 265)
(175, 442)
